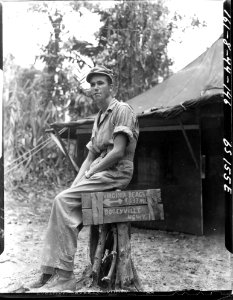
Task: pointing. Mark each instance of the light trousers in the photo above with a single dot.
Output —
(65, 220)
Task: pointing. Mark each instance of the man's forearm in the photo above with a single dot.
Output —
(112, 157)
(108, 161)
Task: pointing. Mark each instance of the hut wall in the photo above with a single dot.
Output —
(211, 120)
(163, 161)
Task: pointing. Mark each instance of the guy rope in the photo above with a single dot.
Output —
(15, 163)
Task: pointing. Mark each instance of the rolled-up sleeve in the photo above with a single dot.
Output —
(124, 122)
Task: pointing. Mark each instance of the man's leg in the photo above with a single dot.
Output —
(60, 241)
(64, 225)
(61, 237)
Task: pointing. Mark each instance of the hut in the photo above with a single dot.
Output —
(180, 145)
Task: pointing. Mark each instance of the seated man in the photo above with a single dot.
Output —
(108, 166)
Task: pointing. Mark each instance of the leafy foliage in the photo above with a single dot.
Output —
(63, 87)
(133, 43)
(32, 100)
(26, 116)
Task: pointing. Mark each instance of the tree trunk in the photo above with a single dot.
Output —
(126, 275)
(111, 267)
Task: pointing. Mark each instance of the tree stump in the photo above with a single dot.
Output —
(111, 267)
(109, 215)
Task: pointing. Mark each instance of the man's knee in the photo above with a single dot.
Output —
(68, 197)
(59, 199)
(62, 196)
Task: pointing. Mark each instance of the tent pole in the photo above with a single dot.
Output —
(188, 144)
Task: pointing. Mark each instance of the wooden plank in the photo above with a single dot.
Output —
(160, 211)
(87, 217)
(155, 205)
(94, 209)
(100, 207)
(125, 214)
(84, 130)
(97, 207)
(150, 207)
(86, 200)
(148, 128)
(124, 198)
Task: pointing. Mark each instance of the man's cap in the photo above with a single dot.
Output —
(100, 70)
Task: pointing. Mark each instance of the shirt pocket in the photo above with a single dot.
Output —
(104, 137)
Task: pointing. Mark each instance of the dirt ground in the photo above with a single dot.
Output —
(164, 261)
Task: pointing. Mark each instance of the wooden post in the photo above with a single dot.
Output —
(126, 276)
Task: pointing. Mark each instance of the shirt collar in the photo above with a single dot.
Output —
(111, 105)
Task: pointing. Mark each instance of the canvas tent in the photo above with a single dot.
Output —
(179, 148)
(189, 87)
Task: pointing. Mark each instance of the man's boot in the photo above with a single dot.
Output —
(61, 281)
(42, 280)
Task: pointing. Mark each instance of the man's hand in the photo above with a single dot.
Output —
(88, 174)
(85, 166)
